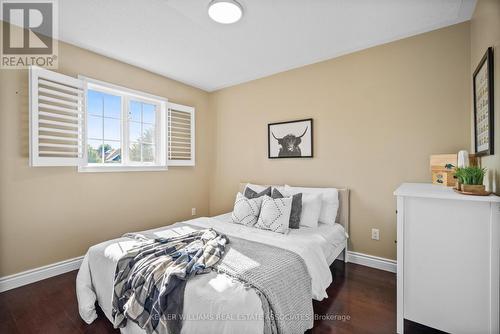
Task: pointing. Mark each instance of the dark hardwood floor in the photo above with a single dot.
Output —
(361, 300)
(364, 299)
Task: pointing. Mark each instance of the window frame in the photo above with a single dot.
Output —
(161, 128)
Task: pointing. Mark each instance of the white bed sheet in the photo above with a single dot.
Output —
(328, 237)
(210, 294)
(336, 238)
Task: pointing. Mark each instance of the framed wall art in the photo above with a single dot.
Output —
(292, 139)
(483, 105)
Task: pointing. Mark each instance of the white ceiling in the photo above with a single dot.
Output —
(175, 38)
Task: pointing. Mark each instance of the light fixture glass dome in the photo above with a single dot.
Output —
(225, 11)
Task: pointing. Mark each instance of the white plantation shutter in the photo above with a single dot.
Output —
(181, 130)
(57, 119)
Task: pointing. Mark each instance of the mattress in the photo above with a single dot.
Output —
(329, 237)
(210, 294)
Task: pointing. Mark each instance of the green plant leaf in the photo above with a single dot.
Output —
(470, 175)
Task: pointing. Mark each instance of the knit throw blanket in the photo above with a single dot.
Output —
(150, 279)
(279, 277)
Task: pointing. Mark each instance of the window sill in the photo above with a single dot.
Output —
(114, 169)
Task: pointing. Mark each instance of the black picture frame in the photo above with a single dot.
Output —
(272, 139)
(487, 61)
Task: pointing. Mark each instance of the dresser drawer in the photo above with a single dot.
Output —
(446, 264)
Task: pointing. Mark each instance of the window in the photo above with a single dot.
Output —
(104, 123)
(141, 131)
(100, 127)
(126, 129)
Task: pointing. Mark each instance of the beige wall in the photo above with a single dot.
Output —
(50, 214)
(378, 115)
(485, 32)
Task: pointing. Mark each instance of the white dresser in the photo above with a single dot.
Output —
(448, 259)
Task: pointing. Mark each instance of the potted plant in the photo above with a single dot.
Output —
(470, 179)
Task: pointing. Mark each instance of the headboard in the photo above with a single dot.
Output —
(342, 213)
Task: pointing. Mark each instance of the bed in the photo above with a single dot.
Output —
(214, 302)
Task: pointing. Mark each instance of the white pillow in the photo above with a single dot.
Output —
(311, 208)
(329, 205)
(246, 211)
(275, 214)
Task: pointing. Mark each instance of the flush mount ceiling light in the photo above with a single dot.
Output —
(225, 11)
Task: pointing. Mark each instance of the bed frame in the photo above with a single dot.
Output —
(342, 219)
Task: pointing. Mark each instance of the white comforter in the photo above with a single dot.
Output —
(229, 305)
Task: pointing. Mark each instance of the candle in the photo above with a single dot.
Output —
(463, 159)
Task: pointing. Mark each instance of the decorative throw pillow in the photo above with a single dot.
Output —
(246, 210)
(329, 205)
(260, 187)
(294, 221)
(275, 214)
(250, 193)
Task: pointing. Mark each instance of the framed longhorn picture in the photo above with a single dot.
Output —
(292, 139)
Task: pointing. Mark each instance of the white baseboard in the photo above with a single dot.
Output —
(58, 268)
(372, 261)
(38, 274)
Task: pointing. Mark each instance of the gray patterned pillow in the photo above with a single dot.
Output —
(250, 193)
(296, 207)
(246, 210)
(275, 214)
